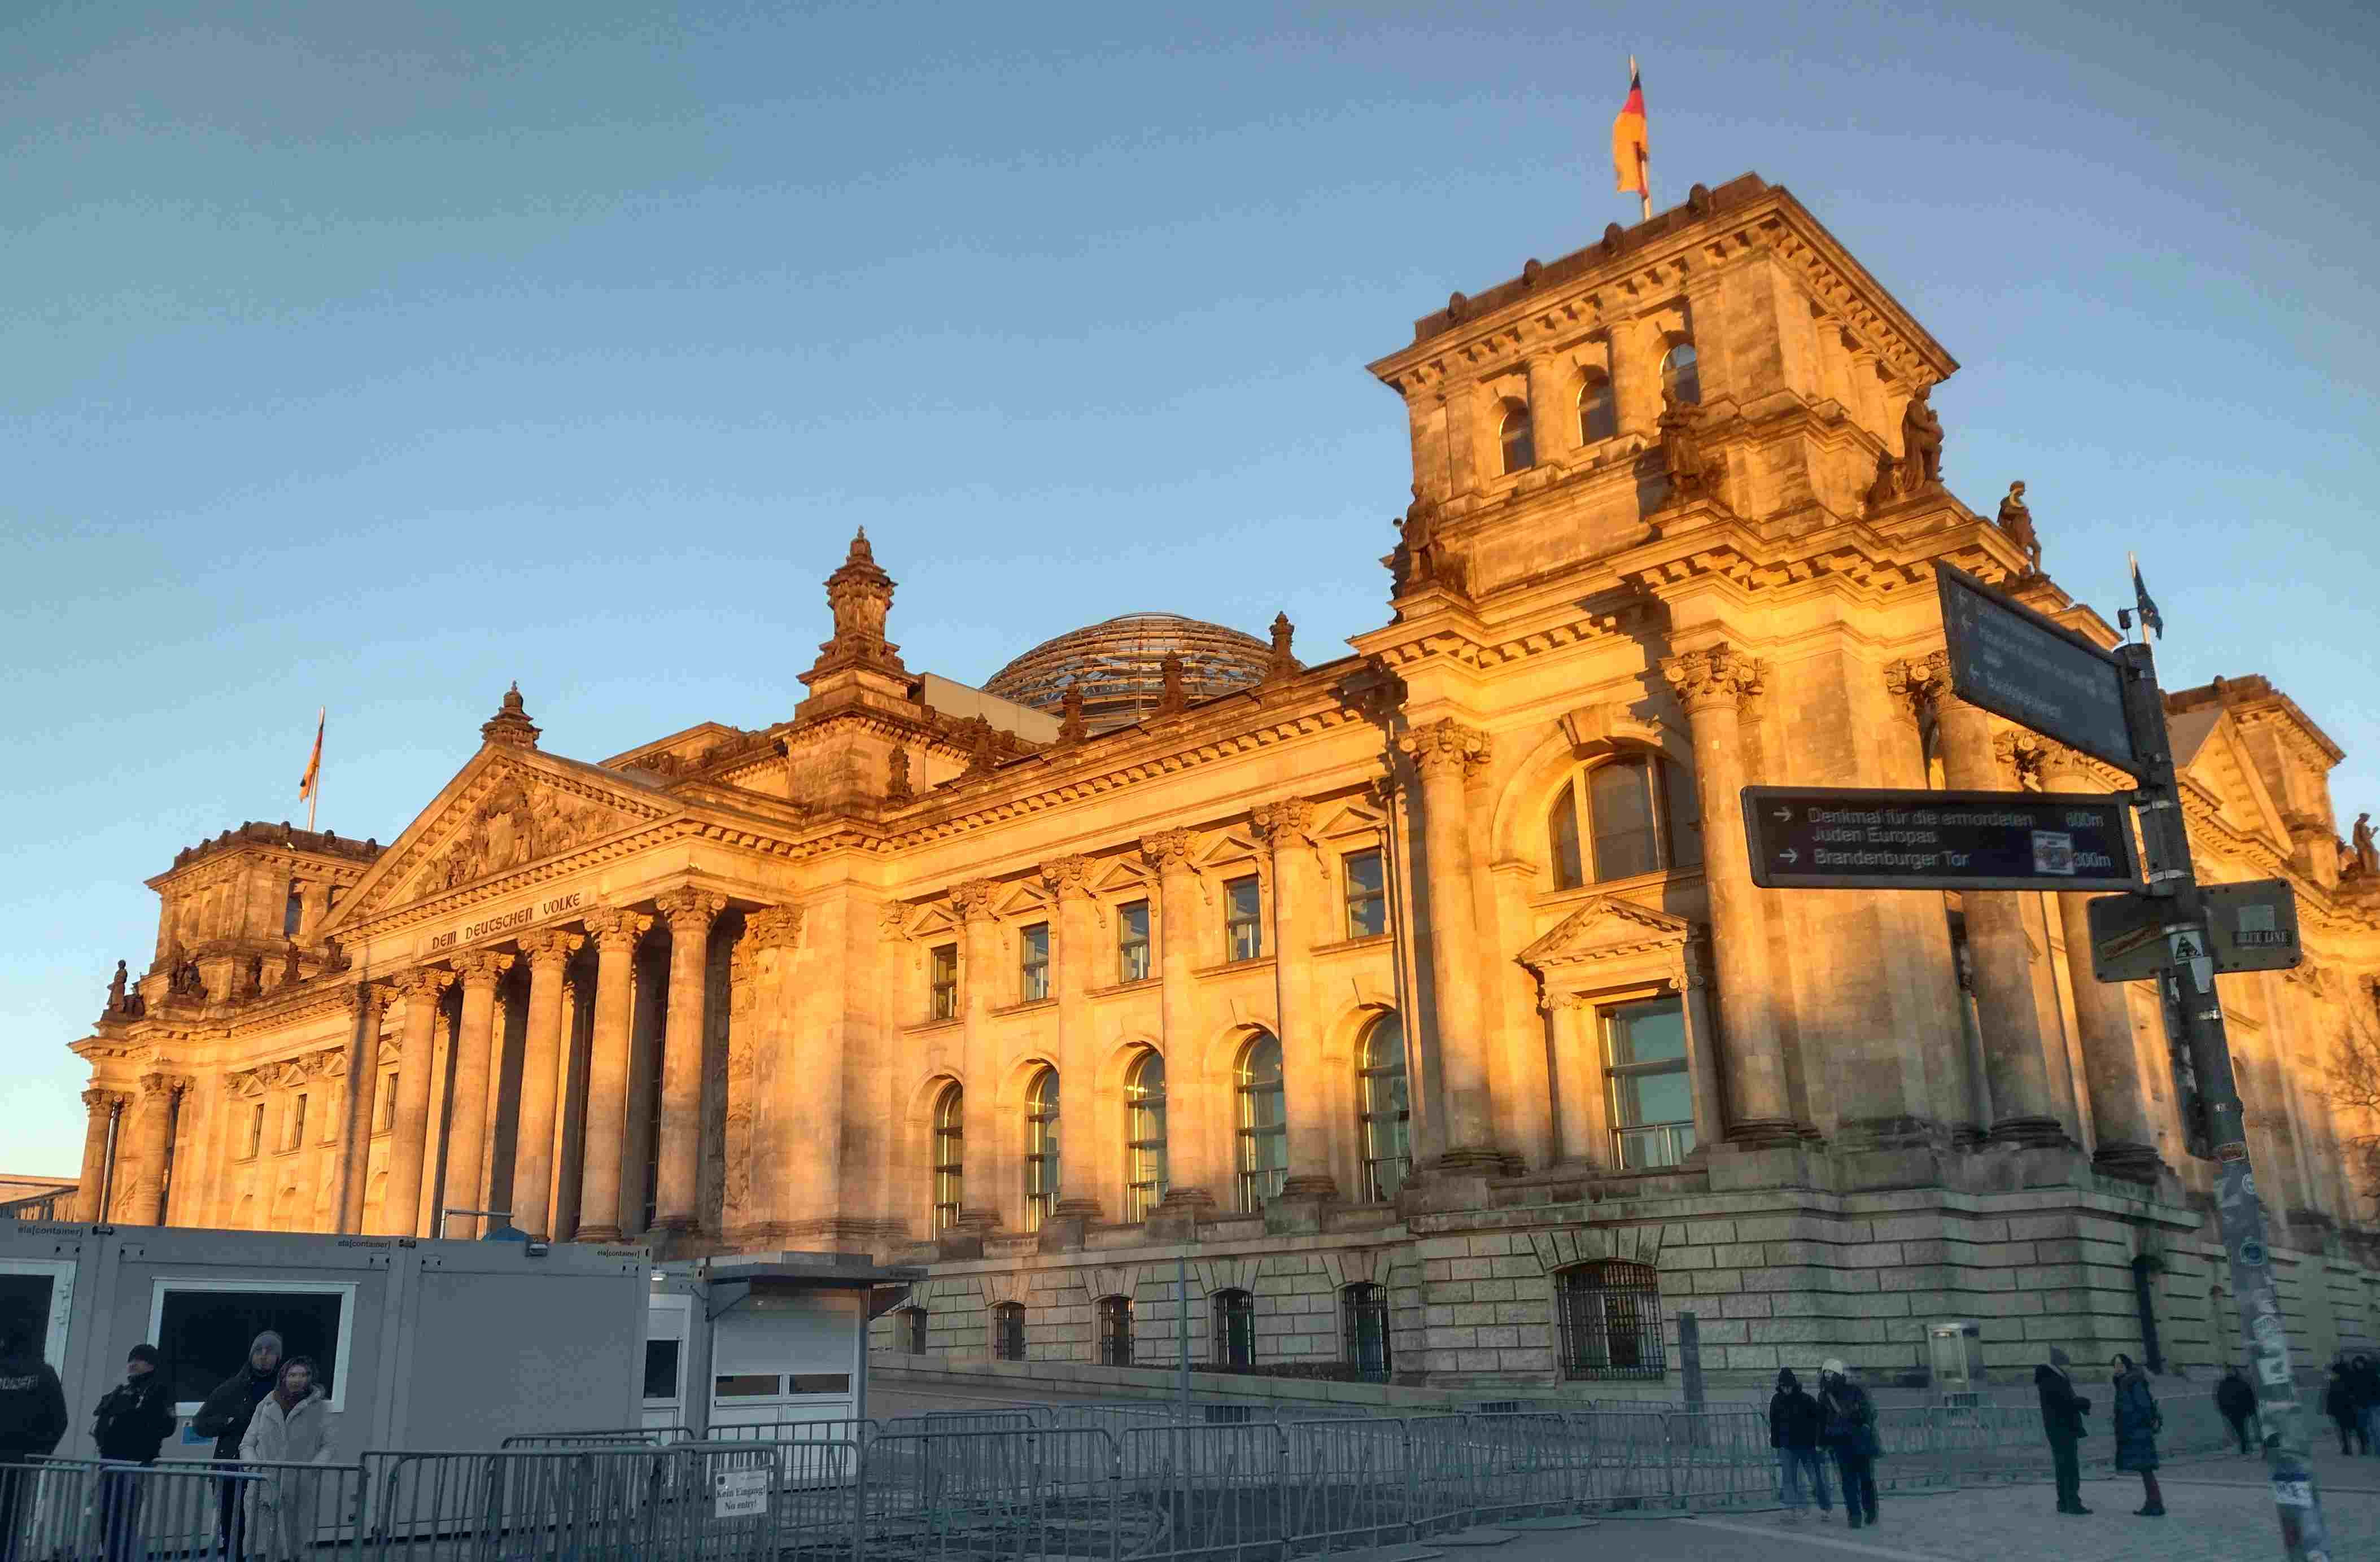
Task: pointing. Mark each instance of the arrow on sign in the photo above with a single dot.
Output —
(1789, 857)
(1784, 814)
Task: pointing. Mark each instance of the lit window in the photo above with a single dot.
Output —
(1264, 1123)
(1368, 896)
(1132, 941)
(950, 1157)
(1611, 1317)
(1680, 375)
(1386, 1116)
(946, 959)
(1042, 1165)
(1364, 1308)
(1235, 1330)
(1033, 964)
(1520, 447)
(1642, 816)
(1115, 1331)
(1144, 1094)
(1598, 416)
(1243, 919)
(1008, 1331)
(1652, 1099)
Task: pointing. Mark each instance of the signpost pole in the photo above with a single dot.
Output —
(2191, 1002)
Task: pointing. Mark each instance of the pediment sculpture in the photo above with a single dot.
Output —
(515, 826)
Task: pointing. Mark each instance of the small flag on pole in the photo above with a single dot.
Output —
(310, 784)
(1629, 157)
(2150, 618)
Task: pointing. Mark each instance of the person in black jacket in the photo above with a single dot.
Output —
(2338, 1403)
(224, 1417)
(32, 1419)
(130, 1424)
(1847, 1425)
(2236, 1398)
(2062, 1410)
(2365, 1375)
(1794, 1420)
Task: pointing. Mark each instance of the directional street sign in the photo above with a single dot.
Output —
(2251, 926)
(1847, 838)
(2010, 660)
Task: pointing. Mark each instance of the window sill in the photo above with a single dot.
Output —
(1126, 986)
(924, 1025)
(1261, 963)
(1370, 940)
(1668, 878)
(1020, 1008)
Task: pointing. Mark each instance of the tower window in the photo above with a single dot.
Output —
(1132, 941)
(1598, 413)
(1367, 895)
(1042, 1169)
(944, 979)
(1680, 374)
(1264, 1123)
(1519, 445)
(1144, 1094)
(1033, 964)
(293, 913)
(950, 1157)
(1386, 1113)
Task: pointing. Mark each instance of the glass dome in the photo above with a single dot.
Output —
(1119, 667)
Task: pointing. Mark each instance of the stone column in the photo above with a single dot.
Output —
(1286, 827)
(1550, 434)
(532, 1200)
(615, 932)
(365, 1005)
(677, 1180)
(791, 1138)
(1445, 753)
(570, 1141)
(2016, 1063)
(1091, 1133)
(1710, 683)
(991, 1175)
(475, 1043)
(408, 1128)
(1198, 1125)
(152, 1129)
(100, 1107)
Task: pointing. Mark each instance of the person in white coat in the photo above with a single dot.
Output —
(292, 1427)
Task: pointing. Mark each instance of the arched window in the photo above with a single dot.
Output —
(1115, 1331)
(1641, 816)
(1008, 1331)
(1598, 415)
(1235, 1330)
(1363, 1309)
(1387, 1145)
(1680, 375)
(950, 1156)
(1264, 1122)
(1041, 1167)
(913, 1330)
(1144, 1096)
(1520, 445)
(1611, 1315)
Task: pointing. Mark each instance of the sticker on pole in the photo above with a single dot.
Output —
(739, 1493)
(2293, 1493)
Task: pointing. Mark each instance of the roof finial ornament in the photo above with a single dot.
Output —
(860, 594)
(1071, 728)
(1175, 697)
(510, 725)
(1283, 664)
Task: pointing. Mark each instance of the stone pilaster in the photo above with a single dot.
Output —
(1091, 1156)
(677, 1181)
(789, 1136)
(992, 1179)
(1287, 827)
(1445, 753)
(1196, 1108)
(409, 1135)
(615, 931)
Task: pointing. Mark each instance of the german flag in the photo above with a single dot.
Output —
(1628, 147)
(312, 779)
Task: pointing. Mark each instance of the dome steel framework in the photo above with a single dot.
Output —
(1119, 665)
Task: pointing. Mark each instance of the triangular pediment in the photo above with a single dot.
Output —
(2224, 769)
(507, 808)
(1604, 927)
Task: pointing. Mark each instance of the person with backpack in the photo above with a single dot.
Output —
(1848, 1427)
(2138, 1422)
(2062, 1410)
(32, 1419)
(129, 1424)
(1794, 1424)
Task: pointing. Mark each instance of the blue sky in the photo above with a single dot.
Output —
(375, 357)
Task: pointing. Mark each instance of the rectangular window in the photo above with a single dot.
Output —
(945, 975)
(1033, 964)
(818, 1383)
(255, 1131)
(296, 1125)
(1243, 919)
(661, 1369)
(385, 1104)
(1627, 835)
(1651, 1093)
(745, 1386)
(1368, 896)
(1132, 941)
(203, 1329)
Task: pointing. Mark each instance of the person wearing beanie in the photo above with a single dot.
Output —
(224, 1417)
(1847, 1425)
(290, 1431)
(129, 1424)
(1794, 1422)
(2062, 1410)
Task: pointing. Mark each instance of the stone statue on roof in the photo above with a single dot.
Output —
(2017, 521)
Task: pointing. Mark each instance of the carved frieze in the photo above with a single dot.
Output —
(515, 825)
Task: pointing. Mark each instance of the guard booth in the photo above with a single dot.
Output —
(1955, 1351)
(419, 1344)
(763, 1339)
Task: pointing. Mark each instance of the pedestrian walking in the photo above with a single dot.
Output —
(129, 1424)
(2062, 1410)
(1794, 1424)
(225, 1416)
(2236, 1398)
(291, 1426)
(1848, 1428)
(32, 1419)
(2138, 1422)
(2338, 1403)
(2365, 1376)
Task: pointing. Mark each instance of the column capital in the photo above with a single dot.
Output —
(479, 968)
(773, 927)
(1169, 850)
(616, 929)
(689, 910)
(366, 997)
(1285, 824)
(425, 983)
(972, 899)
(100, 1101)
(550, 947)
(1068, 878)
(1446, 747)
(1922, 681)
(1714, 677)
(163, 1083)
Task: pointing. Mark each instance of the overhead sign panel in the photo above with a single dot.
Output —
(2011, 661)
(1849, 838)
(2249, 927)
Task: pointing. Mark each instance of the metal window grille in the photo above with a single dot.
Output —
(1008, 1331)
(950, 1157)
(1042, 1169)
(1386, 1116)
(1363, 1309)
(1145, 1135)
(1611, 1317)
(1115, 1331)
(1368, 896)
(1264, 1124)
(945, 992)
(1132, 941)
(1235, 1330)
(1243, 919)
(1033, 964)
(914, 1317)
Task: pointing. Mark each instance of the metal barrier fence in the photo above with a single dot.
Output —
(87, 1509)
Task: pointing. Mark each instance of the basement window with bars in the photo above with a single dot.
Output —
(1008, 1331)
(1610, 1318)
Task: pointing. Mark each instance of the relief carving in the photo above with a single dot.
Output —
(512, 828)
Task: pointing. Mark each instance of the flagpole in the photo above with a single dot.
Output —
(1644, 163)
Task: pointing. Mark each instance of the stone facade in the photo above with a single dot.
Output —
(1481, 1055)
